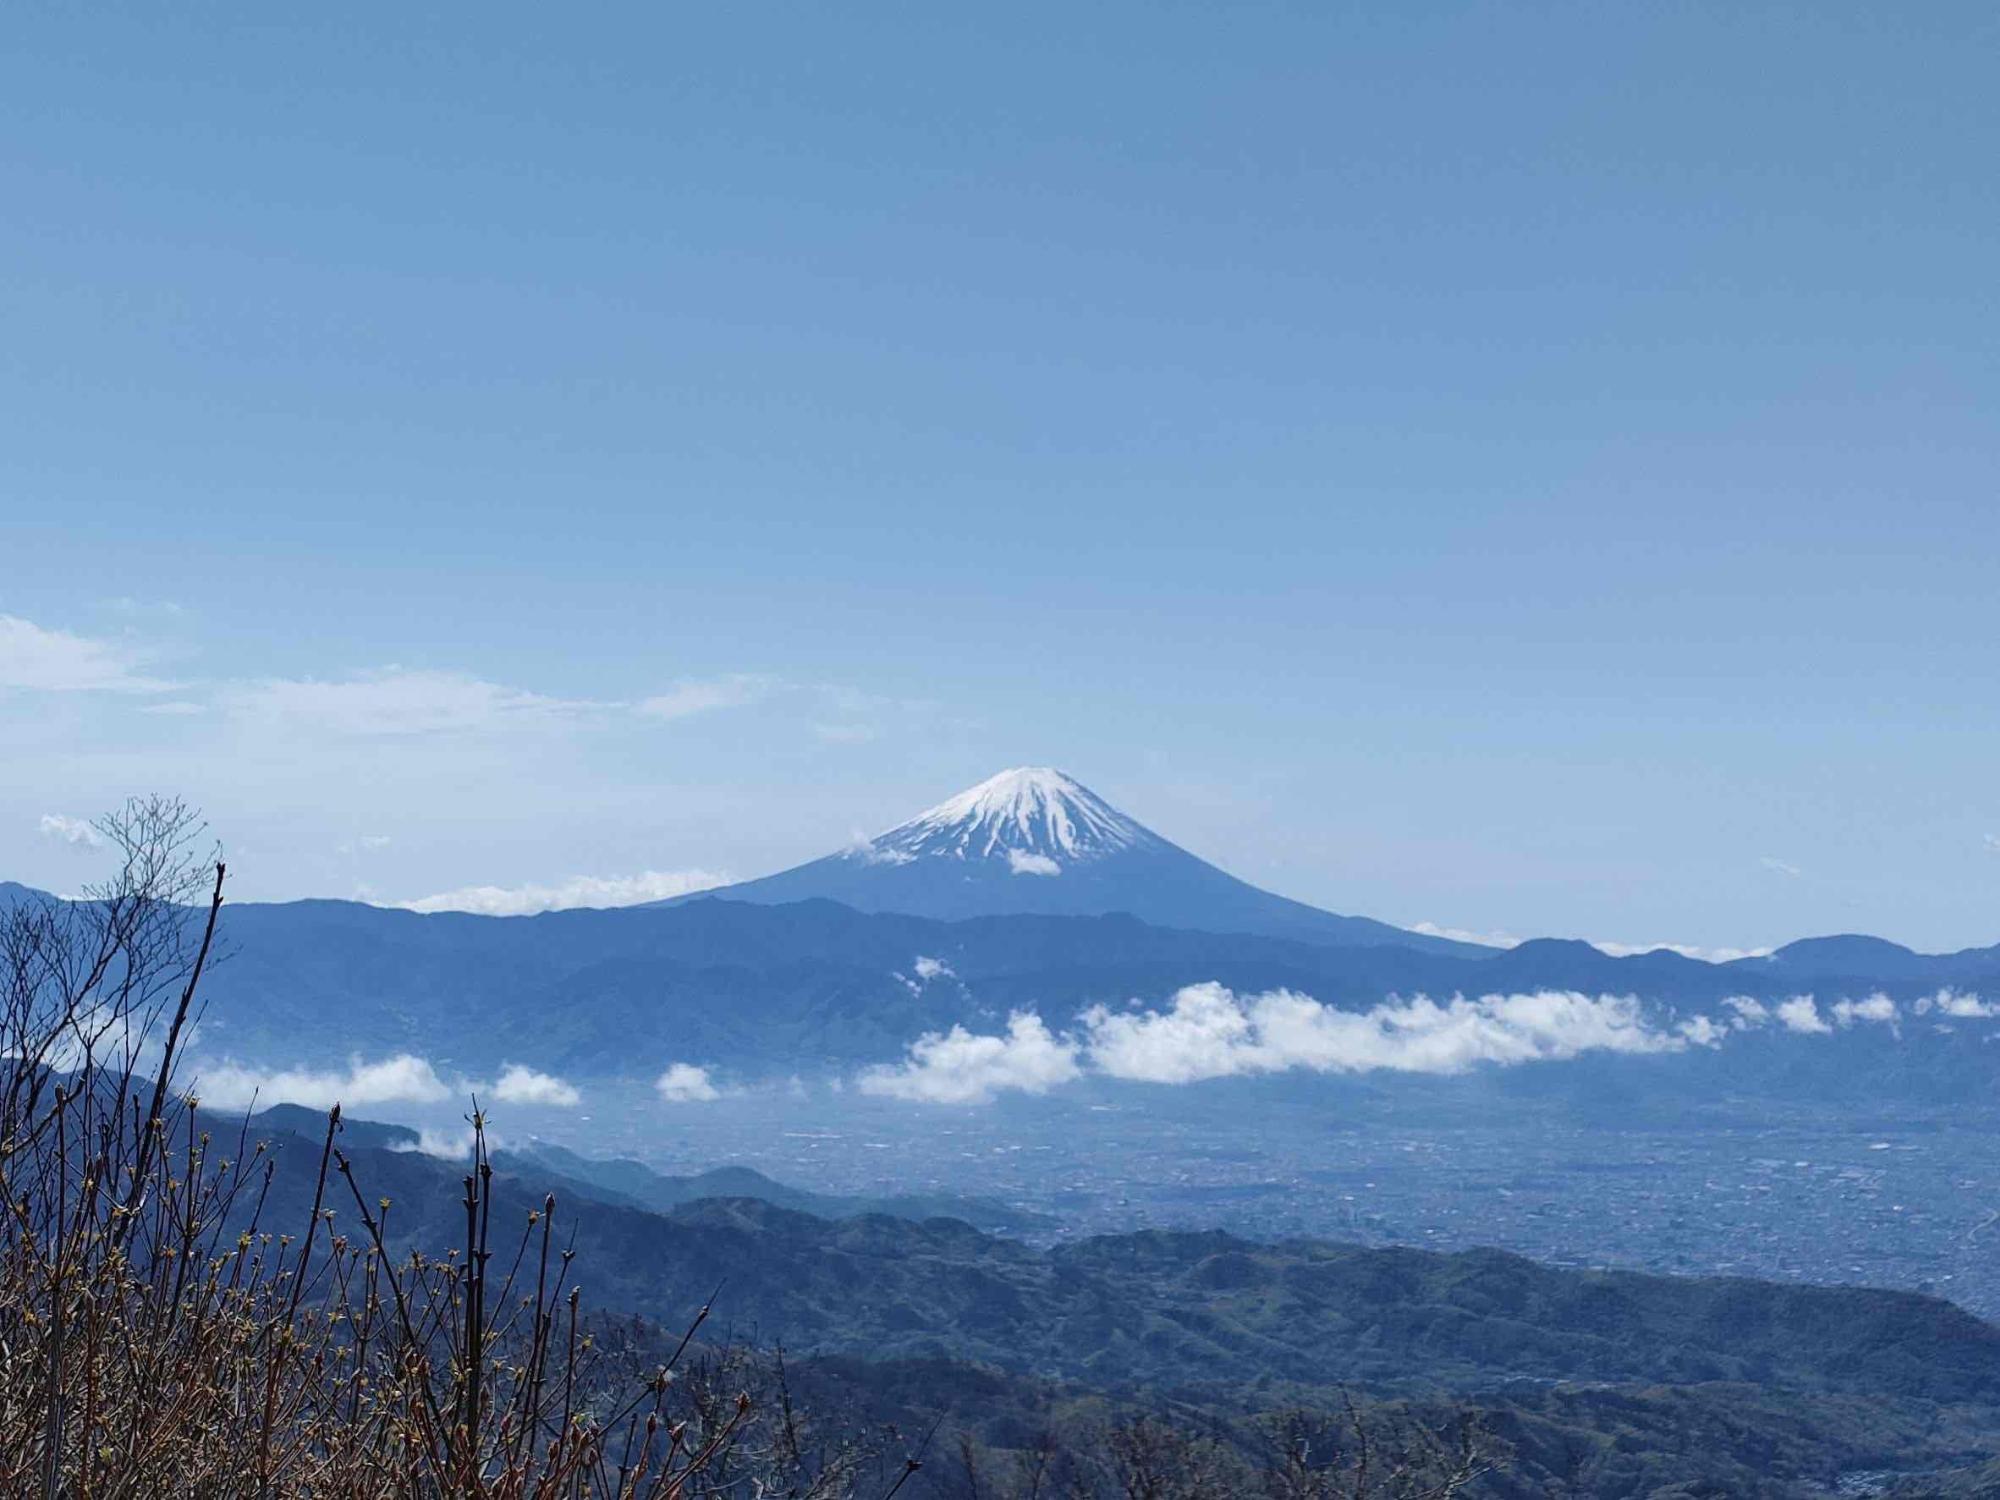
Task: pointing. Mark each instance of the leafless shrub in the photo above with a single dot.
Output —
(158, 1337)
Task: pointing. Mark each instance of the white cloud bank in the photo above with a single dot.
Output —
(451, 1145)
(518, 1084)
(1878, 1008)
(1208, 1031)
(684, 1083)
(78, 833)
(402, 1079)
(577, 891)
(1959, 1006)
(961, 1067)
(1800, 1014)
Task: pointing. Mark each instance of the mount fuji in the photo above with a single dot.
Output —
(1036, 841)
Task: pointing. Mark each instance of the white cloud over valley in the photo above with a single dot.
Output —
(684, 1083)
(1957, 1005)
(961, 1067)
(401, 1079)
(1801, 1014)
(1209, 1031)
(518, 1084)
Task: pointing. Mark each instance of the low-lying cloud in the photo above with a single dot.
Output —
(962, 1067)
(1209, 1031)
(684, 1083)
(1878, 1008)
(403, 1078)
(1956, 1004)
(571, 894)
(518, 1084)
(1022, 862)
(1801, 1014)
(450, 1145)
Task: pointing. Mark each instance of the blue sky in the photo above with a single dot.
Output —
(1518, 469)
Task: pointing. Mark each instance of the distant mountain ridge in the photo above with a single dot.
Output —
(1603, 1384)
(1035, 841)
(815, 986)
(630, 1184)
(1189, 1306)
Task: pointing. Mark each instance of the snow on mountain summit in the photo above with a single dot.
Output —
(1036, 818)
(1034, 841)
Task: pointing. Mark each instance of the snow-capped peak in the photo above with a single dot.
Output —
(1036, 818)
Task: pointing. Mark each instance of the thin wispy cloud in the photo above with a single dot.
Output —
(37, 659)
(395, 702)
(1779, 866)
(568, 895)
(692, 696)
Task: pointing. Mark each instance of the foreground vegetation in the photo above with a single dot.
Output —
(163, 1333)
(283, 1305)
